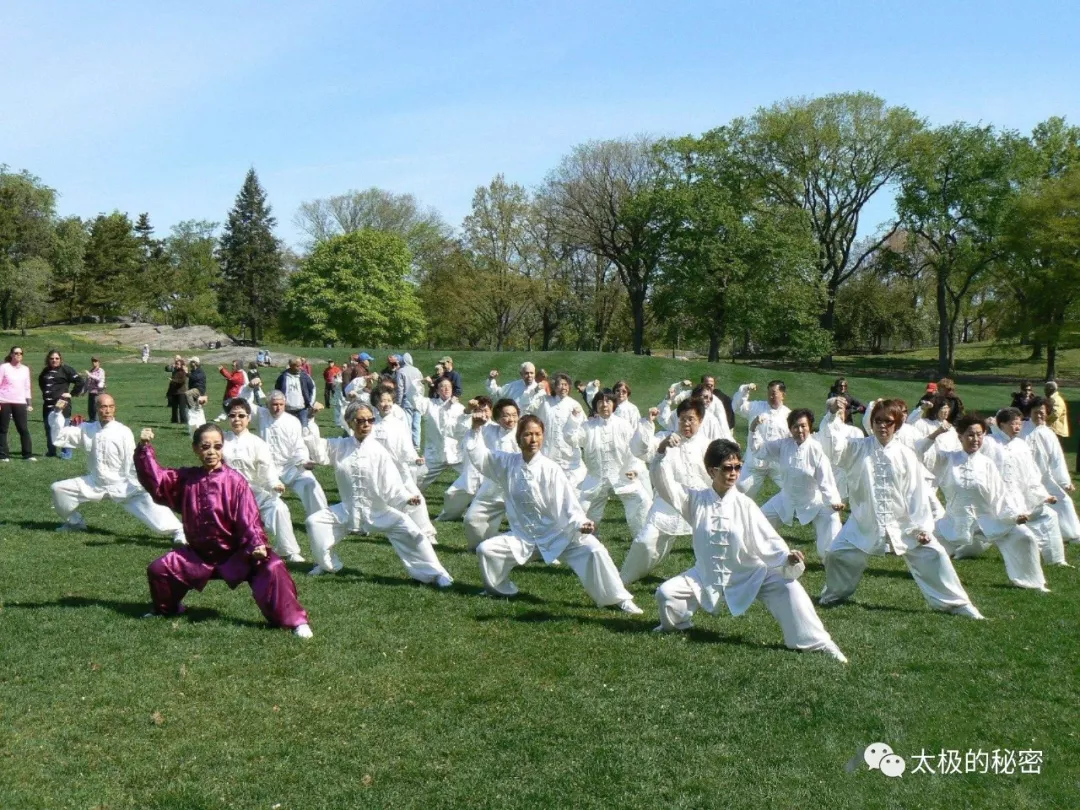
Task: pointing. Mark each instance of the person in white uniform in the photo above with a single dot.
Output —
(1013, 456)
(605, 443)
(545, 517)
(284, 435)
(561, 414)
(373, 497)
(664, 524)
(738, 557)
(251, 457)
(488, 508)
(768, 417)
(835, 408)
(460, 493)
(1049, 458)
(110, 448)
(713, 426)
(890, 513)
(979, 510)
(439, 418)
(395, 435)
(629, 413)
(808, 490)
(526, 392)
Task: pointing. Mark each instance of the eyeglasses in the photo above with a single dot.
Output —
(18, 352)
(240, 415)
(360, 420)
(728, 468)
(216, 446)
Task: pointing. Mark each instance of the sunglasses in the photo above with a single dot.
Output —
(728, 468)
(360, 420)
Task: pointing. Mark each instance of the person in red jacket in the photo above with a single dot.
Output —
(234, 381)
(332, 370)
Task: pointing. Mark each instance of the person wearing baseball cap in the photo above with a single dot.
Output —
(447, 362)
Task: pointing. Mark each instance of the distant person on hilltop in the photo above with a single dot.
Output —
(146, 353)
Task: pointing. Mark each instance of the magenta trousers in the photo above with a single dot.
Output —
(182, 569)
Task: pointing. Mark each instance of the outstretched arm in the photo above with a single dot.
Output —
(162, 483)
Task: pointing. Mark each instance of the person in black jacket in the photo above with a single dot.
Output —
(196, 376)
(178, 386)
(55, 380)
(840, 390)
(299, 391)
(1023, 399)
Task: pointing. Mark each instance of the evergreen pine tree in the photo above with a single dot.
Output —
(251, 264)
(112, 265)
(155, 287)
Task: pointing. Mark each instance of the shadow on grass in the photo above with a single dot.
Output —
(163, 543)
(132, 610)
(866, 606)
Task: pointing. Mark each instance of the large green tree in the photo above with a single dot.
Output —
(953, 200)
(111, 260)
(27, 210)
(194, 274)
(354, 289)
(830, 156)
(730, 252)
(68, 258)
(252, 271)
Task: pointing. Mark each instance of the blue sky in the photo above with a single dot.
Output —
(162, 107)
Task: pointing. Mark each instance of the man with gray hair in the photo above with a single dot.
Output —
(526, 392)
(405, 380)
(285, 436)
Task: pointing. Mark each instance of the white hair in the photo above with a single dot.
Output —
(355, 408)
(1051, 386)
(275, 394)
(527, 366)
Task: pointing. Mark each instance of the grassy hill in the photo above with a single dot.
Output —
(409, 697)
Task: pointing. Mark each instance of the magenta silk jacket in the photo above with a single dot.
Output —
(219, 513)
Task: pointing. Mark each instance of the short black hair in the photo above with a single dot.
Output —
(202, 430)
(695, 404)
(779, 384)
(238, 402)
(719, 451)
(971, 418)
(604, 395)
(502, 405)
(800, 413)
(1008, 415)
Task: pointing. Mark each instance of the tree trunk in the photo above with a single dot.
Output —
(943, 325)
(1051, 361)
(828, 318)
(714, 346)
(1036, 351)
(637, 309)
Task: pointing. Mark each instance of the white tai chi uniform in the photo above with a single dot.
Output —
(441, 450)
(396, 437)
(488, 508)
(807, 487)
(738, 557)
(1022, 476)
(110, 476)
(560, 416)
(824, 438)
(545, 517)
(979, 510)
(285, 438)
(772, 424)
(460, 493)
(250, 456)
(611, 470)
(372, 499)
(663, 523)
(909, 434)
(529, 398)
(196, 414)
(889, 509)
(714, 424)
(629, 413)
(1046, 450)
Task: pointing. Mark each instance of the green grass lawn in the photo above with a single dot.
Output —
(410, 697)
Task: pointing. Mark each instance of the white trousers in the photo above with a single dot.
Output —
(278, 523)
(647, 551)
(307, 488)
(785, 599)
(930, 566)
(636, 501)
(1044, 525)
(328, 527)
(433, 469)
(421, 518)
(752, 479)
(1019, 550)
(68, 494)
(826, 523)
(483, 519)
(455, 502)
(1068, 521)
(586, 555)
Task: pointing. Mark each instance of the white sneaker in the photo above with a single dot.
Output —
(296, 558)
(32, 458)
(629, 607)
(968, 610)
(303, 631)
(834, 651)
(443, 581)
(318, 570)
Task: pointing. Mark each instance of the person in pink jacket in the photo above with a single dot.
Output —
(15, 399)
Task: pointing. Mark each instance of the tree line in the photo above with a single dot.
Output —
(748, 239)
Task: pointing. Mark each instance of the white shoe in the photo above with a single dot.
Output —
(179, 539)
(318, 570)
(32, 458)
(443, 581)
(968, 610)
(629, 607)
(296, 558)
(834, 651)
(686, 625)
(303, 631)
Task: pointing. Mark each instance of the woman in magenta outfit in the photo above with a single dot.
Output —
(225, 536)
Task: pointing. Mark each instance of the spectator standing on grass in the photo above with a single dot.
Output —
(449, 374)
(947, 388)
(225, 535)
(95, 386)
(176, 394)
(305, 366)
(196, 375)
(299, 391)
(235, 380)
(146, 353)
(109, 447)
(15, 403)
(405, 393)
(1058, 417)
(331, 371)
(840, 389)
(1022, 399)
(55, 380)
(392, 365)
